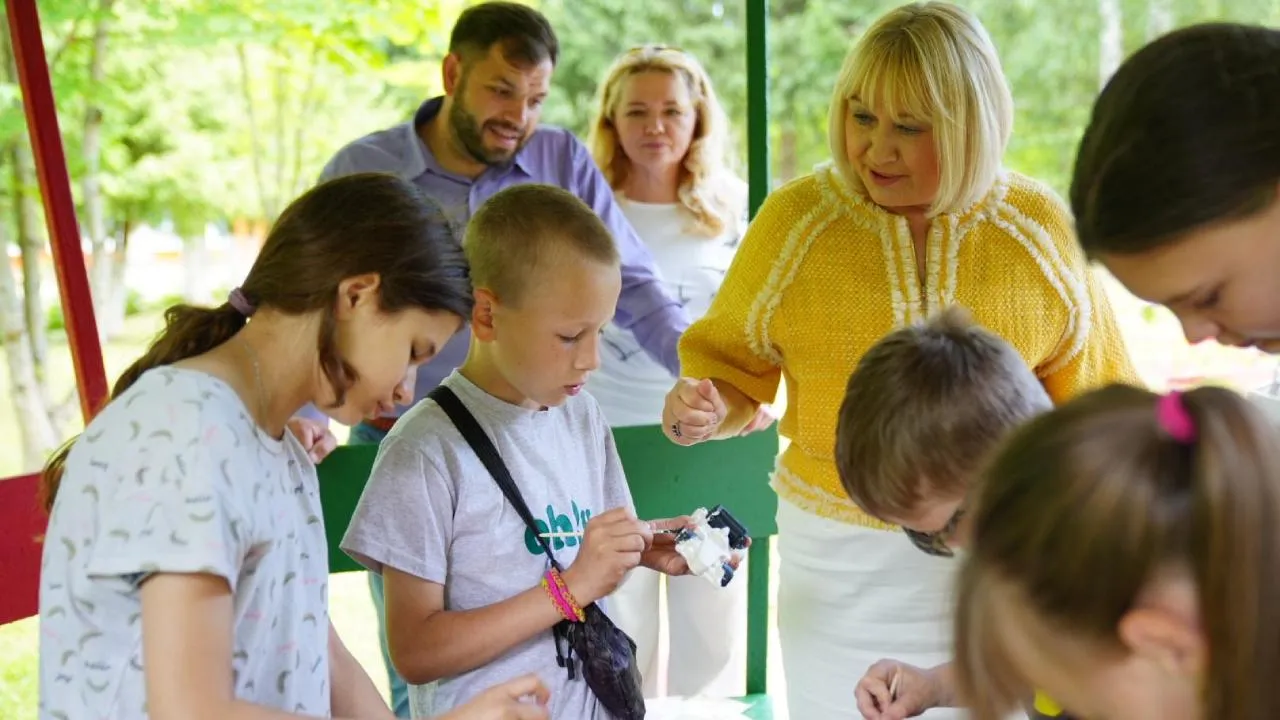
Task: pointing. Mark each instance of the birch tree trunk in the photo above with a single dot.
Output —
(38, 433)
(1159, 18)
(27, 220)
(1111, 45)
(91, 188)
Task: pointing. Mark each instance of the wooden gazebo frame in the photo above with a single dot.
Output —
(22, 521)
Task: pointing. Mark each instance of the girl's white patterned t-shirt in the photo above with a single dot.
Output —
(175, 477)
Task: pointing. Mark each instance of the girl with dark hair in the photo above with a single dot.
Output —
(1177, 181)
(185, 569)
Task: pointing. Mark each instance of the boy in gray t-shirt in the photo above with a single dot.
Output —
(463, 575)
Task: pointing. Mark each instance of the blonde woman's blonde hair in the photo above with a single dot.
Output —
(934, 62)
(708, 187)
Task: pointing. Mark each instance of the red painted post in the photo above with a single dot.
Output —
(59, 206)
(22, 526)
(22, 520)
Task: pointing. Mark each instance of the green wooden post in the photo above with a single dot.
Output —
(758, 177)
(757, 101)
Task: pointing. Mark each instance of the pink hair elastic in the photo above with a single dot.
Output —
(1174, 419)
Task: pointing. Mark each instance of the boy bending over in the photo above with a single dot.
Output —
(921, 412)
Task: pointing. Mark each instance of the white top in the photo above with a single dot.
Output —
(432, 510)
(174, 476)
(629, 385)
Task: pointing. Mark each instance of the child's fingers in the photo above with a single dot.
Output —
(526, 686)
(528, 711)
(869, 703)
(326, 444)
(875, 688)
(675, 523)
(629, 542)
(611, 518)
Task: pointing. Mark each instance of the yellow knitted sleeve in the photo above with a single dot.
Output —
(730, 343)
(1093, 353)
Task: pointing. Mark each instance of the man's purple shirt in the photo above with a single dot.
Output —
(552, 156)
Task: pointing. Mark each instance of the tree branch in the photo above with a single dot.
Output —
(254, 145)
(66, 43)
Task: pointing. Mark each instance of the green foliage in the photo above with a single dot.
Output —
(54, 321)
(134, 303)
(222, 109)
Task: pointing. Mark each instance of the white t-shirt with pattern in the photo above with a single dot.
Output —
(175, 477)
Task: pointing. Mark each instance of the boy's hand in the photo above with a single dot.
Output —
(611, 546)
(693, 411)
(917, 690)
(524, 698)
(662, 555)
(315, 437)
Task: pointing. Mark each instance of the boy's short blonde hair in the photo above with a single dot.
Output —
(523, 230)
(935, 62)
(924, 407)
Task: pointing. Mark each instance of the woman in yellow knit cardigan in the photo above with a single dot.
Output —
(914, 213)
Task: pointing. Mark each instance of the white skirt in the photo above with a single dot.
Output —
(849, 596)
(698, 646)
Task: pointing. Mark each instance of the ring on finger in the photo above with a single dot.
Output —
(675, 429)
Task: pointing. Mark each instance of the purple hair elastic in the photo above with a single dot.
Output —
(1174, 419)
(238, 300)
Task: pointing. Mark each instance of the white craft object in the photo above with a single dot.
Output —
(706, 549)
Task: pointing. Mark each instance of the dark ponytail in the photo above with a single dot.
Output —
(349, 226)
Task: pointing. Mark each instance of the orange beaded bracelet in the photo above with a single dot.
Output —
(560, 596)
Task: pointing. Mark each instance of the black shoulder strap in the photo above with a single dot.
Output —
(488, 454)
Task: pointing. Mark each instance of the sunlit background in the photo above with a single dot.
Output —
(188, 124)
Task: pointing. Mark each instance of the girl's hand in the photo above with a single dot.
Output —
(316, 438)
(915, 690)
(693, 411)
(612, 545)
(524, 698)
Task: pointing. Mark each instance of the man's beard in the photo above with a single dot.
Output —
(471, 136)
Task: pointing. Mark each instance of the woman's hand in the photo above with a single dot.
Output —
(524, 698)
(891, 690)
(763, 419)
(693, 411)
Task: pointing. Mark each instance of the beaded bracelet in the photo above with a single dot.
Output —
(566, 607)
(560, 596)
(567, 597)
